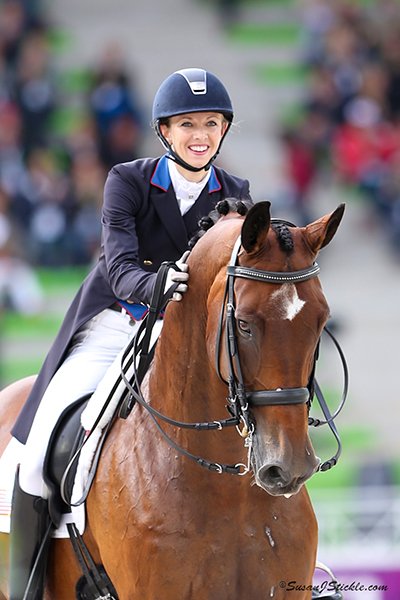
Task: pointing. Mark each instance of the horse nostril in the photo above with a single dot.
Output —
(273, 475)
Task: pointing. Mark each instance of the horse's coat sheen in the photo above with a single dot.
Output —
(164, 528)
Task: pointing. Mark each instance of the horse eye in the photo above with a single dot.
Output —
(243, 327)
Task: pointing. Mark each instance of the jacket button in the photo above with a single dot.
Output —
(147, 262)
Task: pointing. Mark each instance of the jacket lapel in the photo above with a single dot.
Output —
(164, 201)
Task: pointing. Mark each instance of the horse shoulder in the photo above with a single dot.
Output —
(12, 399)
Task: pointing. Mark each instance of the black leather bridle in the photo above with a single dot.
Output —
(239, 399)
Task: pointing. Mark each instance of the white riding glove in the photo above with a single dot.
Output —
(181, 277)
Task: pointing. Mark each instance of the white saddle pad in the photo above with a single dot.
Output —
(9, 461)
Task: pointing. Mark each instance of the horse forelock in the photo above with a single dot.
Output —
(284, 237)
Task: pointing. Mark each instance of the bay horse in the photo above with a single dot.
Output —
(245, 335)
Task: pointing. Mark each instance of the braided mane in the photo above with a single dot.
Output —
(284, 237)
(241, 207)
(222, 208)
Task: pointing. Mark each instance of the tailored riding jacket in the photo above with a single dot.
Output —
(142, 226)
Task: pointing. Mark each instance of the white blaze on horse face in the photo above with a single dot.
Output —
(287, 301)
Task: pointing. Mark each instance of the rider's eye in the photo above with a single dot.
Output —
(243, 327)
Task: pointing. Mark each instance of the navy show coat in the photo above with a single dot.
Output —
(141, 227)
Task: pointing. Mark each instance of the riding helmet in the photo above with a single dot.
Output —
(188, 91)
(191, 90)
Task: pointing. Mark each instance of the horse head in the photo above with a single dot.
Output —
(274, 311)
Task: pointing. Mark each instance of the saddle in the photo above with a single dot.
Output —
(62, 452)
(59, 471)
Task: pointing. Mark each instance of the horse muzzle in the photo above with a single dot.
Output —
(279, 479)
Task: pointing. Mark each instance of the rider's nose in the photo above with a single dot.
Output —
(200, 133)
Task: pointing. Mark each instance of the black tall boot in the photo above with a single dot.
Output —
(30, 536)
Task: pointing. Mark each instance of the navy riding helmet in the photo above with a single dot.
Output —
(188, 91)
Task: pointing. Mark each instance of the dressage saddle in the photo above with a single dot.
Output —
(66, 439)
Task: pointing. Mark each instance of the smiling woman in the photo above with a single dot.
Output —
(151, 210)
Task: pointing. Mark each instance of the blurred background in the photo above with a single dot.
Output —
(316, 90)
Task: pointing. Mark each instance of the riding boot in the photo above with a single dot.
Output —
(30, 536)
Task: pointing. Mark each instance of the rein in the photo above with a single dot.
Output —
(239, 399)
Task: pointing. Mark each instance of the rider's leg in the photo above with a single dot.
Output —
(90, 414)
(29, 534)
(94, 349)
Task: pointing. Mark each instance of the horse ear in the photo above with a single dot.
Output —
(320, 233)
(256, 226)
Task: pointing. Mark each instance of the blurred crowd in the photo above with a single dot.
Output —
(51, 185)
(350, 114)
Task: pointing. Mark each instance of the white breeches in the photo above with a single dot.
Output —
(94, 361)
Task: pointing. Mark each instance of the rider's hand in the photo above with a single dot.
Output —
(181, 277)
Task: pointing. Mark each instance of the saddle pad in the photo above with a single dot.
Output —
(9, 461)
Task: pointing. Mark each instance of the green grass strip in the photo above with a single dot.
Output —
(60, 40)
(341, 476)
(264, 34)
(75, 80)
(60, 281)
(29, 327)
(65, 120)
(271, 74)
(13, 370)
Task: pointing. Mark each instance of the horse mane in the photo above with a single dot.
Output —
(284, 237)
(241, 207)
(222, 208)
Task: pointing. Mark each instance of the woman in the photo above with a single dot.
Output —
(151, 209)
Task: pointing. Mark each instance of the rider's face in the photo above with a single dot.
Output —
(195, 137)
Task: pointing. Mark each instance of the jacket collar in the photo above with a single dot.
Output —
(162, 179)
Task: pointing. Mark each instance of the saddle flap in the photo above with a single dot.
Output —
(65, 440)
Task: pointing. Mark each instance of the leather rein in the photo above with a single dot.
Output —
(240, 401)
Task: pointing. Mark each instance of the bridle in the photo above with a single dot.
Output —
(239, 400)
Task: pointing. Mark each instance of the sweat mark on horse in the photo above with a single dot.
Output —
(164, 528)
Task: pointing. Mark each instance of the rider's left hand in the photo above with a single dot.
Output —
(181, 277)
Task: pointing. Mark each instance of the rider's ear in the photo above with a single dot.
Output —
(320, 233)
(255, 227)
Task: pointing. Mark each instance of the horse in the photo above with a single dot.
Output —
(220, 513)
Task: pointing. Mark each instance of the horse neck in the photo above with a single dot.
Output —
(183, 381)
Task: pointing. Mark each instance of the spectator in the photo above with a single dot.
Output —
(20, 290)
(351, 110)
(115, 109)
(300, 172)
(35, 91)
